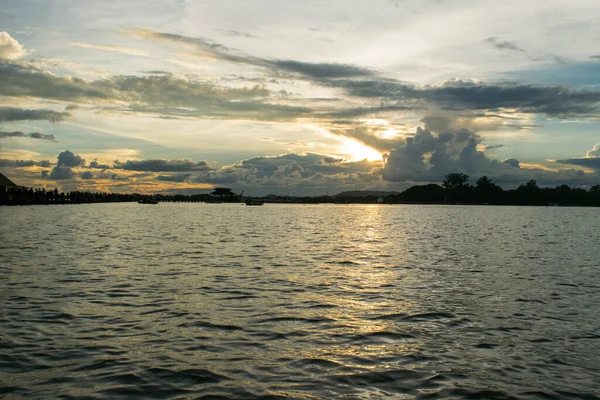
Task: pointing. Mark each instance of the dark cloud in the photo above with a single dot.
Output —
(494, 146)
(173, 96)
(203, 45)
(60, 173)
(238, 110)
(322, 70)
(27, 81)
(595, 57)
(553, 101)
(332, 160)
(20, 114)
(376, 88)
(69, 159)
(167, 95)
(31, 135)
(297, 171)
(428, 157)
(117, 177)
(591, 159)
(96, 164)
(223, 53)
(157, 72)
(442, 120)
(8, 163)
(304, 165)
(166, 89)
(63, 169)
(174, 178)
(503, 44)
(42, 136)
(513, 162)
(160, 165)
(161, 94)
(589, 162)
(86, 175)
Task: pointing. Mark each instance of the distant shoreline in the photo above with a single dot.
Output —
(455, 190)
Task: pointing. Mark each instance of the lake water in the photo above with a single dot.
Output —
(224, 301)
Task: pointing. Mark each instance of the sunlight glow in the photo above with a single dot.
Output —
(356, 151)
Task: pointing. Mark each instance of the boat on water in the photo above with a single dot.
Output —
(251, 202)
(147, 201)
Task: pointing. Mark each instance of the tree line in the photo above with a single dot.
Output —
(456, 189)
(28, 196)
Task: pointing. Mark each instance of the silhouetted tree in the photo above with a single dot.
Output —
(530, 194)
(457, 187)
(455, 181)
(595, 195)
(532, 184)
(486, 191)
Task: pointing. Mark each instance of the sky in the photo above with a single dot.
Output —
(304, 98)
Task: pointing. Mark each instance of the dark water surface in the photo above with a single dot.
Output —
(223, 301)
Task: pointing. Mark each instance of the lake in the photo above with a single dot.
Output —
(225, 301)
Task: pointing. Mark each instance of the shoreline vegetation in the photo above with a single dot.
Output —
(455, 189)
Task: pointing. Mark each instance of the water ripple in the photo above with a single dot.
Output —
(119, 301)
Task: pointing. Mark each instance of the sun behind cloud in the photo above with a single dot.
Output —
(356, 151)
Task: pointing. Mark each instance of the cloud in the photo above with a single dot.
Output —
(321, 70)
(368, 137)
(9, 114)
(554, 101)
(217, 51)
(174, 178)
(96, 164)
(305, 172)
(86, 175)
(160, 165)
(59, 173)
(205, 46)
(160, 94)
(29, 81)
(513, 162)
(304, 165)
(503, 44)
(494, 146)
(31, 135)
(107, 47)
(428, 157)
(9, 163)
(10, 49)
(168, 95)
(595, 152)
(69, 159)
(166, 89)
(591, 160)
